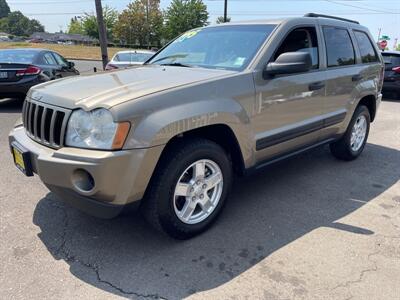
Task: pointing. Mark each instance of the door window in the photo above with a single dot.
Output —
(60, 60)
(367, 51)
(301, 40)
(49, 59)
(339, 48)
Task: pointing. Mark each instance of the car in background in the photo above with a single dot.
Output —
(126, 59)
(391, 83)
(20, 69)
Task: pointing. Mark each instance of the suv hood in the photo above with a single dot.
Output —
(112, 88)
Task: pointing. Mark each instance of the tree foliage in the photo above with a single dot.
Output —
(18, 24)
(75, 26)
(183, 15)
(140, 23)
(220, 20)
(4, 9)
(91, 28)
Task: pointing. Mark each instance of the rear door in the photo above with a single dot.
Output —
(342, 77)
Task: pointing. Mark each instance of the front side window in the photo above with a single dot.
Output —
(339, 48)
(301, 40)
(230, 47)
(367, 51)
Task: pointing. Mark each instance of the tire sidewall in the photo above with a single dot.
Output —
(167, 216)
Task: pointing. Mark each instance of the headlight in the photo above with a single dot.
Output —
(95, 129)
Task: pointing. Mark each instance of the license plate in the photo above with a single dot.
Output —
(3, 75)
(21, 159)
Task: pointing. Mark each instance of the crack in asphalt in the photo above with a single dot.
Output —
(362, 273)
(63, 253)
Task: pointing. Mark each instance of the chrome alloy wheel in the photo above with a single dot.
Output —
(358, 133)
(198, 191)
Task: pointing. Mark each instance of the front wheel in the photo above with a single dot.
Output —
(189, 188)
(352, 143)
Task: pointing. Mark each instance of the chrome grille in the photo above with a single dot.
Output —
(45, 123)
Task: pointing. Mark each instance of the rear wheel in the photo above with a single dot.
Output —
(352, 143)
(189, 188)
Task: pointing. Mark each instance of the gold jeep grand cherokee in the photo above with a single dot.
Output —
(215, 101)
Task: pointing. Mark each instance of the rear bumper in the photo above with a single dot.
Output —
(15, 89)
(116, 178)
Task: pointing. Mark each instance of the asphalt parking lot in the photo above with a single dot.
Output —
(308, 228)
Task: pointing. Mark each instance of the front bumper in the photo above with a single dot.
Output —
(119, 177)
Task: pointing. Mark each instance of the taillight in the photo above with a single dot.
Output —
(396, 70)
(111, 67)
(31, 70)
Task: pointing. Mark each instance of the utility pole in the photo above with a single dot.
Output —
(102, 33)
(148, 24)
(379, 34)
(226, 11)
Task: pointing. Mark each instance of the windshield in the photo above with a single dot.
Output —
(17, 56)
(223, 47)
(132, 57)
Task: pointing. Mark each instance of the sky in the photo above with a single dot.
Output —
(375, 14)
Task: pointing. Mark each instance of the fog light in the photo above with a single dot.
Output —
(82, 180)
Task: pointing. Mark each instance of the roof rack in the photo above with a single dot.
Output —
(313, 15)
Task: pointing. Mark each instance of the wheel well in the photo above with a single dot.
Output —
(220, 134)
(370, 103)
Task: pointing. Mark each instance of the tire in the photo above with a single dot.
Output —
(164, 205)
(345, 148)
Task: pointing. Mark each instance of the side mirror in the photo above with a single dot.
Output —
(289, 63)
(71, 64)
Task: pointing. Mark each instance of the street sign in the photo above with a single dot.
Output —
(385, 37)
(383, 44)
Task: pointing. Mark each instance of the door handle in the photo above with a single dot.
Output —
(357, 77)
(316, 86)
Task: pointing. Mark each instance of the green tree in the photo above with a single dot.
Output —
(140, 23)
(398, 47)
(4, 9)
(90, 27)
(220, 20)
(183, 15)
(75, 26)
(18, 24)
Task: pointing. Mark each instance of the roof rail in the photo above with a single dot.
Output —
(313, 15)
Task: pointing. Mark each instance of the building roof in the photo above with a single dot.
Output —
(62, 37)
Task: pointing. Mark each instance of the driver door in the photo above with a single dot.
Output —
(289, 107)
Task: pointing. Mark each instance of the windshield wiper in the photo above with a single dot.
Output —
(177, 64)
(169, 57)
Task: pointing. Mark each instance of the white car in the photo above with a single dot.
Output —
(125, 59)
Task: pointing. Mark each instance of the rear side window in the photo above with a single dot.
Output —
(367, 51)
(339, 48)
(49, 59)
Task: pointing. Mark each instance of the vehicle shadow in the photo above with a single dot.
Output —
(264, 213)
(9, 105)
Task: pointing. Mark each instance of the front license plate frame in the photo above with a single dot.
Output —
(22, 159)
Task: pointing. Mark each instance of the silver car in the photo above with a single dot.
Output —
(129, 58)
(215, 102)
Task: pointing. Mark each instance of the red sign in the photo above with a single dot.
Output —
(383, 44)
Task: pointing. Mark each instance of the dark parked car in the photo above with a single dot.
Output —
(20, 69)
(391, 84)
